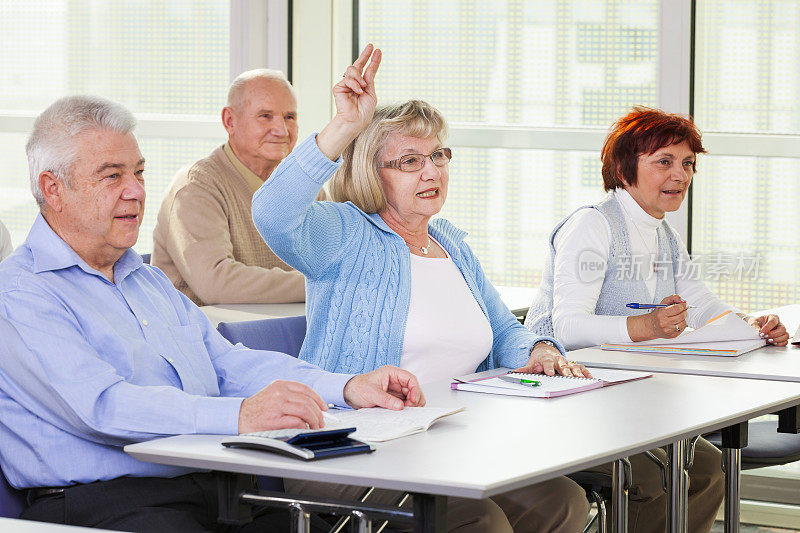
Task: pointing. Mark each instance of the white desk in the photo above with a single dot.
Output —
(502, 443)
(243, 312)
(15, 525)
(516, 298)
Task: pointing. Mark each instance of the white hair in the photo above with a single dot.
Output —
(52, 146)
(236, 90)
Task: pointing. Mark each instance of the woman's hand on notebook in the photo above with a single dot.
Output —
(771, 328)
(546, 359)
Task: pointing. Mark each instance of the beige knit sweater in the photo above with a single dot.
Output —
(206, 243)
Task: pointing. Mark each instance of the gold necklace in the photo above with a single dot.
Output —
(423, 249)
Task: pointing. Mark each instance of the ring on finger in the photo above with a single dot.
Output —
(677, 327)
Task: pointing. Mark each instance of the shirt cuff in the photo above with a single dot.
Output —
(623, 329)
(551, 339)
(217, 415)
(331, 388)
(313, 162)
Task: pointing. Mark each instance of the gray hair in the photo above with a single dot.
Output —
(52, 146)
(236, 90)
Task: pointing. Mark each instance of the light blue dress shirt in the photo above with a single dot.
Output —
(88, 366)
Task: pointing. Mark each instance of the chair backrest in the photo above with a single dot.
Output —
(277, 334)
(12, 501)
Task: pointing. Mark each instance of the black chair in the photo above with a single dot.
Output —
(765, 446)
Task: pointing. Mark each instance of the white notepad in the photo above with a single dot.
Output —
(376, 424)
(549, 386)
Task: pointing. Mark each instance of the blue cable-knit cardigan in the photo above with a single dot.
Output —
(358, 273)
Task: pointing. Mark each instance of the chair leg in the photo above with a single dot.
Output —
(600, 517)
(343, 521)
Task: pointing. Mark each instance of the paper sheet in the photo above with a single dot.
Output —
(726, 327)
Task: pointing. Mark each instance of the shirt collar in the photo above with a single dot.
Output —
(631, 208)
(249, 176)
(51, 252)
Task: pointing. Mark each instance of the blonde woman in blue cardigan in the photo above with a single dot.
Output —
(386, 285)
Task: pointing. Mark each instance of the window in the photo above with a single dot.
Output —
(167, 61)
(745, 211)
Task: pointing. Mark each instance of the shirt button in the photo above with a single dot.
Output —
(145, 322)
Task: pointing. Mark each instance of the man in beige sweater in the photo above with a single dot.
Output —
(204, 239)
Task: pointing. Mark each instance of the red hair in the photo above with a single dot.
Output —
(643, 131)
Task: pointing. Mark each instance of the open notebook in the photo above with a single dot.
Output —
(724, 335)
(373, 424)
(549, 386)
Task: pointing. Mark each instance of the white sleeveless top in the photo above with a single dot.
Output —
(446, 334)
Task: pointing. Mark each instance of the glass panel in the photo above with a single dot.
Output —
(18, 209)
(747, 73)
(510, 200)
(544, 63)
(746, 229)
(155, 56)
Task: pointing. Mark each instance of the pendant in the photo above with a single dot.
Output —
(424, 250)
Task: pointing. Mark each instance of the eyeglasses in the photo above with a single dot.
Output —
(414, 162)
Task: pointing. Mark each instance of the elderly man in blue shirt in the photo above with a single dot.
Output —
(100, 350)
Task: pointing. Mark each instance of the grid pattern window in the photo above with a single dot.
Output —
(163, 59)
(544, 64)
(744, 208)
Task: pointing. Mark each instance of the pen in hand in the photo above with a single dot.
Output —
(652, 306)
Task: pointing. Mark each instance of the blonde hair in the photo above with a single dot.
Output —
(357, 180)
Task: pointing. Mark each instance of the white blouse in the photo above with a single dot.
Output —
(446, 333)
(575, 294)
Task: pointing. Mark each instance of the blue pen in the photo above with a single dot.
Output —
(652, 306)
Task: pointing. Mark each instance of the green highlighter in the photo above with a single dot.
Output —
(521, 381)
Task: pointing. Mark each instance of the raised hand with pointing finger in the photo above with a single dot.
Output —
(355, 99)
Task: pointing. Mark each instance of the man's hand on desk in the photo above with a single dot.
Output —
(387, 386)
(281, 405)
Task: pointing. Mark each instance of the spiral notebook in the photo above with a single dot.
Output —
(549, 386)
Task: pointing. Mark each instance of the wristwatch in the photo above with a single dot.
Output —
(543, 341)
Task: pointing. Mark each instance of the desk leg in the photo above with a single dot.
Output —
(430, 513)
(677, 488)
(734, 438)
(789, 420)
(621, 483)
